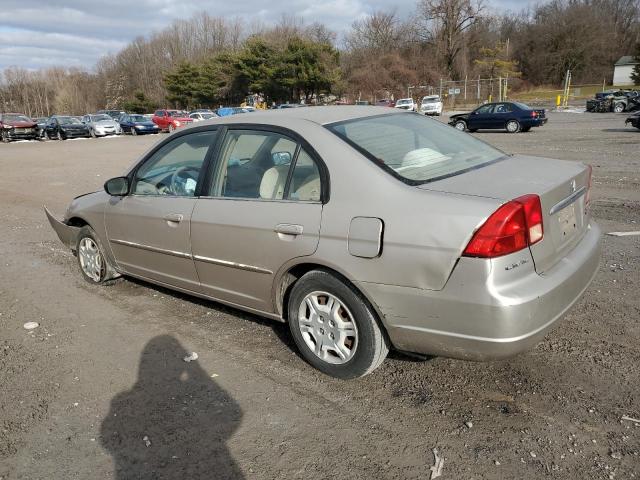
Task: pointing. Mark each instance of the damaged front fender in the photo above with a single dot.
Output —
(67, 234)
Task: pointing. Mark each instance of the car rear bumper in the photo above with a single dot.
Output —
(489, 309)
(66, 233)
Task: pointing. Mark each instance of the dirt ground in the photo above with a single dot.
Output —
(100, 390)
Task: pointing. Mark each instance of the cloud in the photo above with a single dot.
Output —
(78, 32)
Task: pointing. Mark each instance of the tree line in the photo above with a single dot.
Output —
(212, 61)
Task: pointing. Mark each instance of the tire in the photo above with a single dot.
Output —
(618, 107)
(45, 136)
(59, 135)
(171, 128)
(134, 132)
(460, 125)
(92, 133)
(513, 126)
(5, 137)
(93, 264)
(359, 353)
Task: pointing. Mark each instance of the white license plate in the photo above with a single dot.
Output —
(567, 220)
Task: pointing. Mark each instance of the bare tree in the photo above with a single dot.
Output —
(444, 23)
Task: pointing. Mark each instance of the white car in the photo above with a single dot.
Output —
(101, 125)
(199, 116)
(406, 104)
(431, 105)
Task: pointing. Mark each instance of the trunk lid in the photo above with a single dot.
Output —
(562, 187)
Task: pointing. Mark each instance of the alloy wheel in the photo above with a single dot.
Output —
(327, 327)
(461, 126)
(513, 126)
(91, 260)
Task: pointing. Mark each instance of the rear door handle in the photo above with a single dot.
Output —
(173, 217)
(288, 229)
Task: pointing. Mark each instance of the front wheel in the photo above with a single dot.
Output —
(513, 126)
(5, 137)
(92, 133)
(461, 125)
(171, 128)
(93, 264)
(134, 132)
(59, 135)
(334, 327)
(618, 107)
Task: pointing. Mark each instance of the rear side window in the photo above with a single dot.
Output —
(267, 166)
(414, 148)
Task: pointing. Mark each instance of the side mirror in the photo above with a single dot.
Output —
(117, 187)
(281, 158)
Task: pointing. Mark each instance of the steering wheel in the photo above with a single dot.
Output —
(177, 188)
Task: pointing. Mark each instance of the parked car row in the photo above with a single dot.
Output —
(17, 126)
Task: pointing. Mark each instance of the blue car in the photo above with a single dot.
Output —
(137, 124)
(226, 111)
(510, 116)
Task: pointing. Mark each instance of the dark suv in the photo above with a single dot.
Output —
(16, 126)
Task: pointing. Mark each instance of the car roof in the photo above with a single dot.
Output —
(319, 115)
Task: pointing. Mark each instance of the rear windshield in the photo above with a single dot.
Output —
(415, 148)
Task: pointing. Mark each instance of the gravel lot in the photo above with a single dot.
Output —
(106, 363)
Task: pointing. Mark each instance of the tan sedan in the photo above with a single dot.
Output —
(363, 228)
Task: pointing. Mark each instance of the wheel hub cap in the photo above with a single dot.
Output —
(90, 259)
(328, 327)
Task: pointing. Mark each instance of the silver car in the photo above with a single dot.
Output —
(363, 229)
(101, 125)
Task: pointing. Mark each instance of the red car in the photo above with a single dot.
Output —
(16, 126)
(169, 120)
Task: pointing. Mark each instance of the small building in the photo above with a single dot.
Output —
(623, 68)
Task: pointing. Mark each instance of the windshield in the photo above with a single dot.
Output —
(415, 148)
(206, 116)
(99, 118)
(178, 114)
(138, 118)
(15, 118)
(403, 102)
(68, 121)
(430, 100)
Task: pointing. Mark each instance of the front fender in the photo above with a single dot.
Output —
(67, 234)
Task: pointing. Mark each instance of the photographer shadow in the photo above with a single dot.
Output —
(173, 423)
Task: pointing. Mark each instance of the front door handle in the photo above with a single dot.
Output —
(173, 217)
(288, 229)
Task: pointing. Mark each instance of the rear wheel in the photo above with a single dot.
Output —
(461, 125)
(93, 264)
(334, 327)
(513, 126)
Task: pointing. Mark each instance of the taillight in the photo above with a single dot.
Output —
(587, 198)
(514, 226)
(534, 114)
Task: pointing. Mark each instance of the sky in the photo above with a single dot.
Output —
(76, 33)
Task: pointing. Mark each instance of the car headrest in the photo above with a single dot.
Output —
(273, 182)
